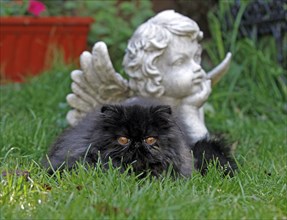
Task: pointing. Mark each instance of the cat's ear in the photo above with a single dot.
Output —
(109, 108)
(163, 109)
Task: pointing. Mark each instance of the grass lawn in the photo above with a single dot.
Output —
(250, 115)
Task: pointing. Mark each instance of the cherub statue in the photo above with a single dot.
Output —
(162, 61)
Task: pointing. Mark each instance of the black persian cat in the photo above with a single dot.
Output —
(145, 136)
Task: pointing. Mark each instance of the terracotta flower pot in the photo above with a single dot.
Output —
(28, 44)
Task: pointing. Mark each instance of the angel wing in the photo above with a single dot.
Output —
(96, 83)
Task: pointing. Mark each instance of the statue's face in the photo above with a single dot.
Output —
(180, 67)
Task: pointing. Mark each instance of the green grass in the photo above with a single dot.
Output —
(33, 114)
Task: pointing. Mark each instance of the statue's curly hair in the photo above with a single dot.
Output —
(148, 42)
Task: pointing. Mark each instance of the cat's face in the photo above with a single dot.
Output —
(144, 137)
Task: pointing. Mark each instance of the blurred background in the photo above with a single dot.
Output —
(253, 30)
(227, 26)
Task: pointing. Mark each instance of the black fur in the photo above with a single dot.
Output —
(213, 150)
(95, 139)
(97, 135)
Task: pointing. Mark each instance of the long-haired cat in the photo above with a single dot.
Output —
(143, 135)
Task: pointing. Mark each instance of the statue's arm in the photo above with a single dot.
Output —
(191, 109)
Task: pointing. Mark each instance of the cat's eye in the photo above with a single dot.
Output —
(123, 140)
(150, 140)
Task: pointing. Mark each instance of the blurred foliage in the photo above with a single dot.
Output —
(115, 21)
(13, 8)
(256, 83)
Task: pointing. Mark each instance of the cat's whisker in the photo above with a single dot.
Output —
(155, 148)
(133, 162)
(115, 152)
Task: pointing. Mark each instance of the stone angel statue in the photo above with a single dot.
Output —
(162, 61)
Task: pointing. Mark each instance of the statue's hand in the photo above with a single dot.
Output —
(198, 99)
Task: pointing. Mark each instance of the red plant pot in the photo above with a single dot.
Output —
(28, 44)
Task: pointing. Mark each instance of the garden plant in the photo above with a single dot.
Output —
(248, 107)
